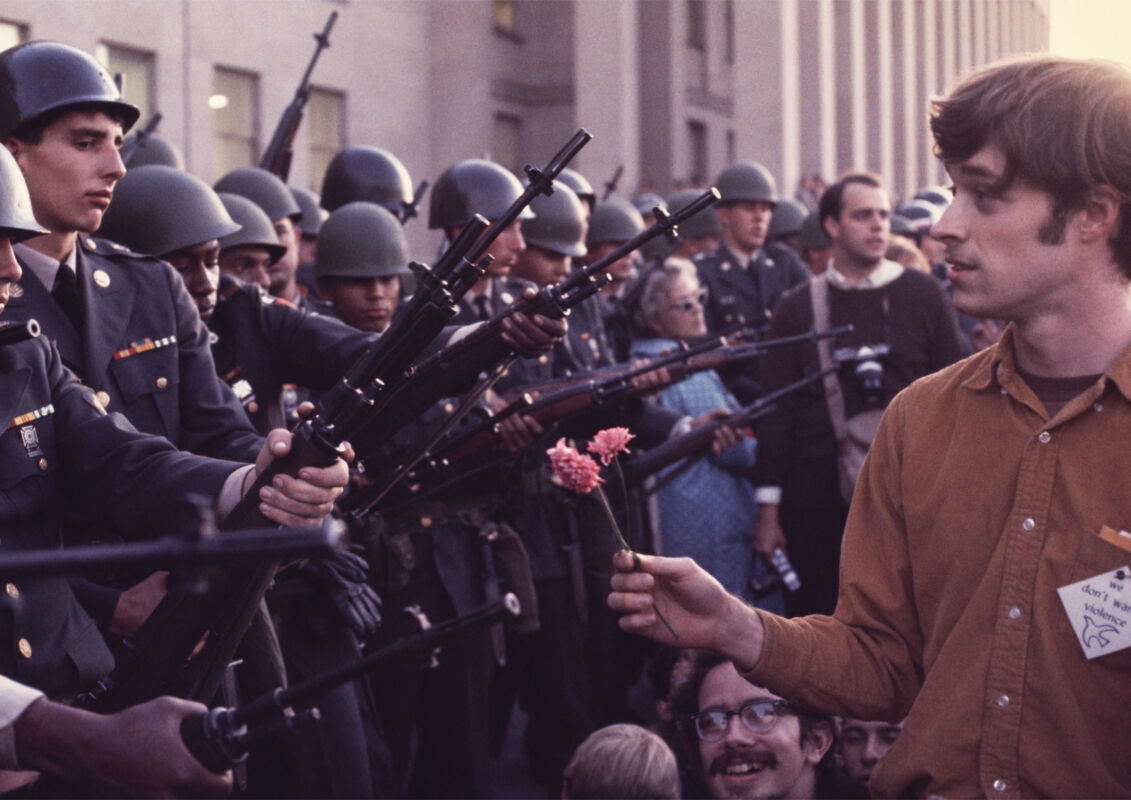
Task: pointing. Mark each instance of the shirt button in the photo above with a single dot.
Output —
(999, 785)
(1003, 701)
(25, 648)
(1015, 612)
(162, 382)
(1028, 523)
(1045, 437)
(12, 590)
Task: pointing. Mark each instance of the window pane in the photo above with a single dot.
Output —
(235, 106)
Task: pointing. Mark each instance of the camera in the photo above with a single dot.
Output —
(783, 575)
(866, 363)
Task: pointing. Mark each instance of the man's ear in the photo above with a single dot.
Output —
(818, 741)
(1098, 218)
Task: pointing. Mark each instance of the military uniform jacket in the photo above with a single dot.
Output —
(739, 294)
(144, 349)
(60, 452)
(259, 343)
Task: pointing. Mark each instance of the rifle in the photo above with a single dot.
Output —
(568, 396)
(206, 549)
(694, 444)
(140, 140)
(176, 625)
(222, 737)
(611, 183)
(410, 209)
(443, 373)
(277, 157)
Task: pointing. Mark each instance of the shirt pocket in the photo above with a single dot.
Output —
(147, 384)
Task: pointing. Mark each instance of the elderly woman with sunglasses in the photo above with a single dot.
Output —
(706, 511)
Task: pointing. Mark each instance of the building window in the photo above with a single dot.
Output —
(502, 15)
(12, 34)
(728, 23)
(326, 123)
(507, 135)
(137, 70)
(235, 124)
(697, 152)
(697, 24)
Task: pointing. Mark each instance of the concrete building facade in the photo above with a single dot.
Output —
(672, 90)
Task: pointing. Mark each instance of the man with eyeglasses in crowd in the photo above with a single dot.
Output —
(747, 742)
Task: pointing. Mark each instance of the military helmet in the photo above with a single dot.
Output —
(938, 196)
(262, 188)
(37, 78)
(581, 187)
(361, 240)
(17, 222)
(558, 224)
(703, 223)
(613, 220)
(787, 219)
(256, 230)
(158, 210)
(370, 174)
(647, 201)
(473, 186)
(313, 215)
(812, 236)
(156, 149)
(746, 180)
(921, 215)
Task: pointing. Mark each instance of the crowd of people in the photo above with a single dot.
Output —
(830, 554)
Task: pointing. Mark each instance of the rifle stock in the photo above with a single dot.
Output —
(277, 157)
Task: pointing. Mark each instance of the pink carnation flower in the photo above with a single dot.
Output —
(573, 470)
(609, 442)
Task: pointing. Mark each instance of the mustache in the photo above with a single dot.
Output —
(738, 755)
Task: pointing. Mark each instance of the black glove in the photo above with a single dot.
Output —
(345, 576)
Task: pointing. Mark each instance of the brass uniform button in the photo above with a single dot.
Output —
(43, 465)
(103, 399)
(25, 648)
(253, 407)
(12, 590)
(162, 382)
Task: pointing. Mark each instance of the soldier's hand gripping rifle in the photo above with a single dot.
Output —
(444, 374)
(177, 624)
(277, 157)
(222, 737)
(696, 443)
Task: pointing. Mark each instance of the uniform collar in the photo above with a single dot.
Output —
(882, 275)
(44, 267)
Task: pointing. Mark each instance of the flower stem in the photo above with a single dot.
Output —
(624, 546)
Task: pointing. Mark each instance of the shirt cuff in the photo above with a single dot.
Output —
(231, 492)
(14, 701)
(768, 495)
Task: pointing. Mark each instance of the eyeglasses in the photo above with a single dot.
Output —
(689, 304)
(711, 724)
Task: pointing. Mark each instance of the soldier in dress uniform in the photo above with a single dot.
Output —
(61, 449)
(746, 275)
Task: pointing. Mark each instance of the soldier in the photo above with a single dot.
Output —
(66, 451)
(370, 174)
(269, 193)
(476, 186)
(745, 277)
(362, 267)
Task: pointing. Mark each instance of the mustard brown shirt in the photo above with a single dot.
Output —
(972, 509)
